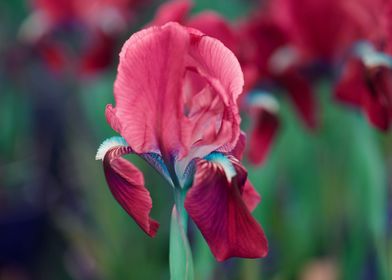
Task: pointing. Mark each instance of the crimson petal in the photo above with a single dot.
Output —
(215, 204)
(377, 100)
(126, 183)
(248, 192)
(263, 134)
(300, 92)
(350, 87)
(250, 196)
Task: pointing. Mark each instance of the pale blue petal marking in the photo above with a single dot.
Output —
(224, 162)
(153, 159)
(108, 144)
(371, 57)
(156, 161)
(264, 100)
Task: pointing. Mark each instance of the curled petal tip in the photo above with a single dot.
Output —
(108, 144)
(223, 162)
(264, 101)
(126, 183)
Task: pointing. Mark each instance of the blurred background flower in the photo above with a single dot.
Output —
(324, 168)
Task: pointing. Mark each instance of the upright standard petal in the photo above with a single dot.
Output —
(220, 68)
(147, 90)
(176, 93)
(215, 204)
(126, 183)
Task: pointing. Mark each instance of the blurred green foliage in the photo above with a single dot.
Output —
(324, 194)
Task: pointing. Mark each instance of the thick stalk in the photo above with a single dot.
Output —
(180, 255)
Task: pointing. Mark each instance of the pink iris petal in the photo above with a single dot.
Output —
(148, 88)
(126, 183)
(218, 65)
(215, 204)
(176, 93)
(265, 128)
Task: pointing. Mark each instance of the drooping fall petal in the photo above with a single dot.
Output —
(300, 91)
(250, 196)
(377, 100)
(248, 192)
(126, 183)
(262, 135)
(215, 204)
(351, 87)
(263, 109)
(369, 88)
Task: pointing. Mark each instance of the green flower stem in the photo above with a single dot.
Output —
(179, 199)
(180, 255)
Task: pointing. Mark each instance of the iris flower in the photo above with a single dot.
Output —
(176, 107)
(96, 24)
(366, 82)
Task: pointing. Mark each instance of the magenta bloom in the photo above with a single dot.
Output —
(176, 106)
(366, 82)
(96, 22)
(268, 56)
(366, 79)
(325, 29)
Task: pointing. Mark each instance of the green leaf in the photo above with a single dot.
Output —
(181, 266)
(204, 260)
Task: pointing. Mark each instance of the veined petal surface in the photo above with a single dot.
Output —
(176, 94)
(126, 183)
(217, 207)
